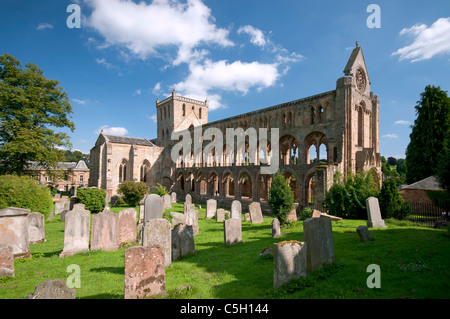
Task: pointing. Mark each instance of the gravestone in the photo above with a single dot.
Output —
(53, 289)
(178, 218)
(247, 217)
(173, 197)
(127, 226)
(255, 213)
(157, 232)
(188, 199)
(188, 207)
(220, 215)
(232, 229)
(289, 261)
(105, 231)
(211, 207)
(182, 241)
(236, 209)
(145, 274)
(191, 219)
(292, 216)
(76, 231)
(6, 261)
(141, 210)
(14, 230)
(315, 213)
(59, 207)
(276, 230)
(318, 236)
(153, 207)
(364, 233)
(167, 200)
(373, 213)
(36, 228)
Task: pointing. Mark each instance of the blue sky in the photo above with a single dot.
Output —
(241, 55)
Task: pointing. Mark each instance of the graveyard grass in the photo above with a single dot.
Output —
(413, 260)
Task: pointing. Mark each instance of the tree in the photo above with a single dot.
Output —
(430, 128)
(31, 106)
(392, 204)
(132, 192)
(443, 169)
(92, 198)
(281, 198)
(392, 161)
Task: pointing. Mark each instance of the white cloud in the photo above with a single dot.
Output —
(390, 135)
(103, 62)
(82, 102)
(238, 76)
(428, 41)
(118, 131)
(44, 26)
(157, 89)
(402, 122)
(256, 36)
(144, 28)
(152, 117)
(137, 92)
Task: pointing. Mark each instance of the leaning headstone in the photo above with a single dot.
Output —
(276, 230)
(236, 209)
(36, 228)
(182, 241)
(330, 217)
(153, 207)
(157, 232)
(220, 215)
(6, 261)
(53, 289)
(191, 219)
(167, 200)
(364, 233)
(105, 231)
(173, 198)
(318, 236)
(14, 230)
(145, 274)
(127, 226)
(232, 229)
(289, 261)
(76, 231)
(255, 213)
(211, 207)
(373, 213)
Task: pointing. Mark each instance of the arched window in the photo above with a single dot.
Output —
(321, 114)
(123, 171)
(184, 109)
(360, 126)
(313, 115)
(144, 172)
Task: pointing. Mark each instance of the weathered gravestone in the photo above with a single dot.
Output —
(153, 207)
(182, 241)
(247, 217)
(255, 213)
(105, 231)
(76, 231)
(178, 218)
(188, 207)
(236, 209)
(127, 226)
(191, 219)
(53, 289)
(59, 206)
(188, 199)
(173, 197)
(364, 233)
(373, 213)
(232, 229)
(145, 274)
(211, 208)
(157, 232)
(36, 228)
(167, 201)
(6, 261)
(276, 229)
(14, 230)
(220, 215)
(318, 236)
(141, 210)
(289, 261)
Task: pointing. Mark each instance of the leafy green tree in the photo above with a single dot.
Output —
(392, 204)
(430, 128)
(133, 192)
(443, 169)
(401, 167)
(31, 106)
(160, 190)
(281, 198)
(92, 198)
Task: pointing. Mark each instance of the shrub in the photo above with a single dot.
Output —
(392, 204)
(305, 214)
(160, 190)
(25, 192)
(132, 192)
(92, 198)
(281, 198)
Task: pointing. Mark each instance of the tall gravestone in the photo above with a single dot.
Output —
(236, 209)
(255, 213)
(157, 232)
(289, 261)
(374, 219)
(76, 231)
(167, 201)
(153, 207)
(220, 215)
(127, 226)
(105, 231)
(318, 236)
(276, 230)
(191, 219)
(173, 197)
(145, 274)
(36, 228)
(14, 230)
(211, 208)
(182, 241)
(232, 230)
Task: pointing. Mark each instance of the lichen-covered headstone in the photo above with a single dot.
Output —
(289, 261)
(182, 241)
(318, 236)
(105, 231)
(255, 213)
(157, 232)
(76, 231)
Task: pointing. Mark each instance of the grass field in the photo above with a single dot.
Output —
(414, 262)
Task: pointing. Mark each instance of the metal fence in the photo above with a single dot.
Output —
(428, 212)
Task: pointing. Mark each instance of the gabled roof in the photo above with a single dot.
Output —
(128, 140)
(80, 166)
(429, 183)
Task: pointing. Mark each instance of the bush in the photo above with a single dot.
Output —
(281, 198)
(133, 192)
(305, 214)
(25, 192)
(92, 198)
(160, 190)
(392, 204)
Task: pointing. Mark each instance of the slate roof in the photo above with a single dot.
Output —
(128, 140)
(429, 183)
(80, 166)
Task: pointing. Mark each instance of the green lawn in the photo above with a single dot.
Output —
(414, 263)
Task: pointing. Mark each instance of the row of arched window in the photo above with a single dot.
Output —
(144, 170)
